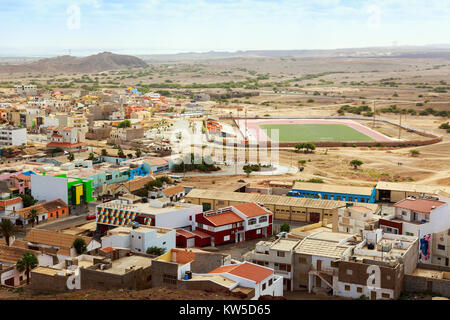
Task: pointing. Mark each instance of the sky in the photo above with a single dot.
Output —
(83, 27)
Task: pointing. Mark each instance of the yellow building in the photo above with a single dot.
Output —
(284, 208)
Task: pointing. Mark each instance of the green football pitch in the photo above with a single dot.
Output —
(315, 132)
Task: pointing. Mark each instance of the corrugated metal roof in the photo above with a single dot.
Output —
(409, 187)
(332, 188)
(272, 199)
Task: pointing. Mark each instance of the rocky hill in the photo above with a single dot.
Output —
(95, 63)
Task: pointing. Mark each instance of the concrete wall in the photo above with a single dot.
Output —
(161, 268)
(414, 284)
(47, 283)
(138, 279)
(49, 188)
(206, 262)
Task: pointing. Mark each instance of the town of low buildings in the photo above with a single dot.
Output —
(106, 157)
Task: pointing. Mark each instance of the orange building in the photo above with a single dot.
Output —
(50, 210)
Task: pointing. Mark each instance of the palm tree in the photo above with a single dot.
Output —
(32, 216)
(27, 263)
(8, 229)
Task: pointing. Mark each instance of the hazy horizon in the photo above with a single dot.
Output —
(146, 27)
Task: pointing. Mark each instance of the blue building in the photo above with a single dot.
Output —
(333, 192)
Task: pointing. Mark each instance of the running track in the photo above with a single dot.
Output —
(253, 127)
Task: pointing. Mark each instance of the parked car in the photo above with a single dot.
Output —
(281, 235)
(91, 216)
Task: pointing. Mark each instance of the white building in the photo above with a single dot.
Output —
(261, 279)
(26, 89)
(11, 136)
(354, 219)
(423, 218)
(377, 266)
(277, 255)
(140, 239)
(158, 212)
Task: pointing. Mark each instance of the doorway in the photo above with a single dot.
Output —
(319, 265)
(373, 295)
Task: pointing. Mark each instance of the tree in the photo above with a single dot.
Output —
(71, 156)
(27, 200)
(299, 146)
(92, 156)
(285, 227)
(32, 216)
(248, 170)
(124, 124)
(80, 245)
(155, 251)
(309, 147)
(120, 153)
(356, 163)
(8, 229)
(138, 152)
(27, 263)
(414, 153)
(104, 153)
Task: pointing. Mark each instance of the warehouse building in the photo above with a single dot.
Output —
(333, 192)
(284, 208)
(395, 192)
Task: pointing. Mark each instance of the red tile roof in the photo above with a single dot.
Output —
(246, 270)
(107, 249)
(10, 201)
(65, 145)
(223, 218)
(251, 209)
(68, 129)
(419, 205)
(185, 233)
(21, 176)
(201, 234)
(171, 191)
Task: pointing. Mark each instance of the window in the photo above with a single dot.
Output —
(325, 197)
(226, 238)
(302, 260)
(349, 272)
(263, 219)
(350, 198)
(359, 289)
(280, 253)
(441, 247)
(270, 282)
(386, 295)
(252, 221)
(264, 286)
(347, 287)
(388, 277)
(258, 231)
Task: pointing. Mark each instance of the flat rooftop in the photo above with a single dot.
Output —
(146, 208)
(427, 273)
(120, 265)
(227, 283)
(284, 245)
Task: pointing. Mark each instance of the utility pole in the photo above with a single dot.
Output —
(374, 110)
